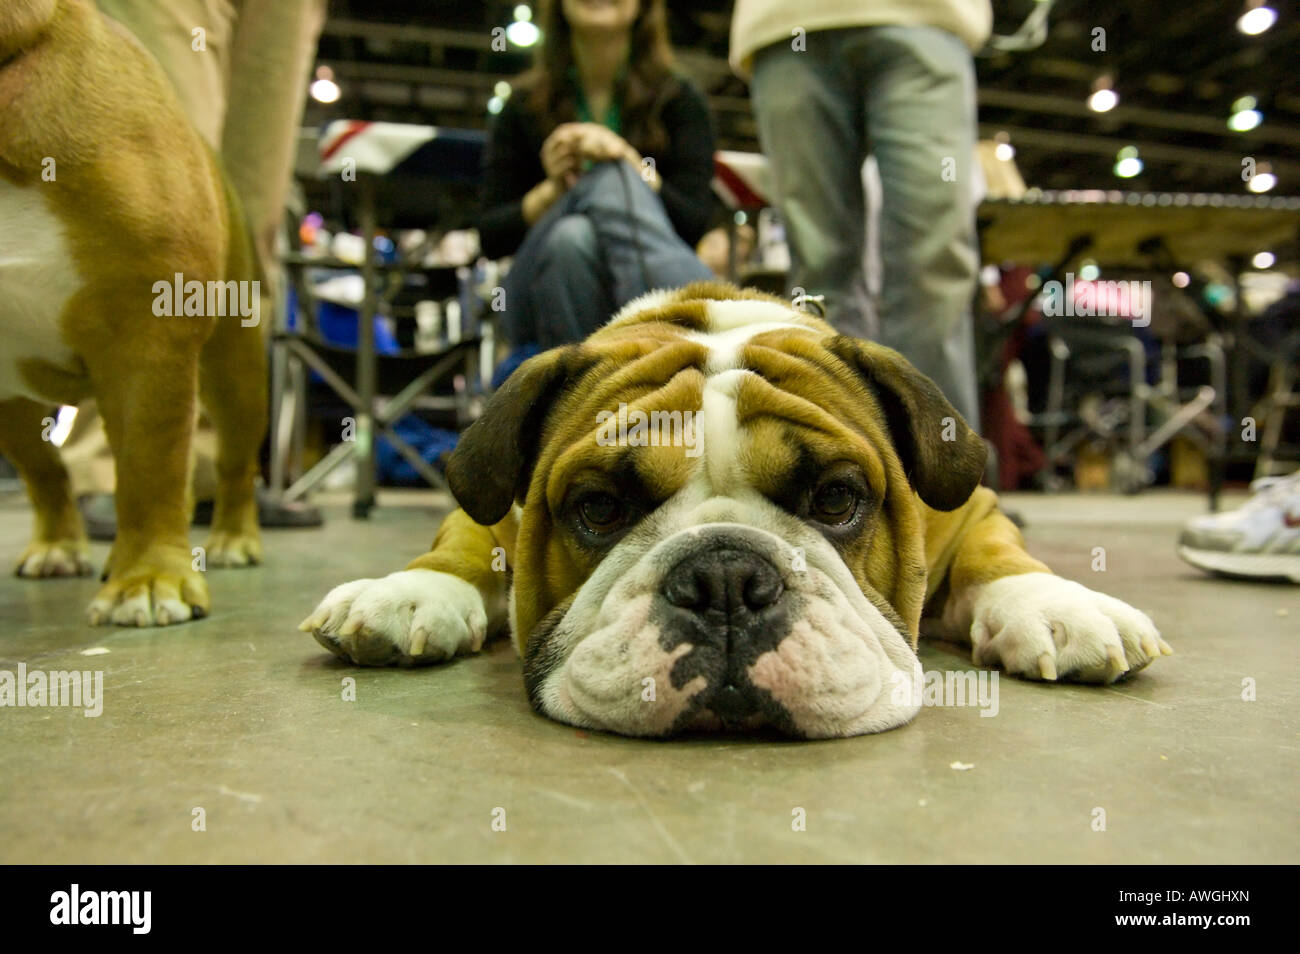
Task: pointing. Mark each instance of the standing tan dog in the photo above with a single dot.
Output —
(110, 204)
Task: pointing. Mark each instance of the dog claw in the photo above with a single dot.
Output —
(1047, 667)
(418, 639)
(1116, 664)
(1150, 646)
(1165, 647)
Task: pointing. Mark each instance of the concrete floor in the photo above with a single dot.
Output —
(243, 716)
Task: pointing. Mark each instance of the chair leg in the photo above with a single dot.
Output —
(281, 409)
(1276, 404)
(364, 494)
(1218, 360)
(1060, 353)
(1137, 404)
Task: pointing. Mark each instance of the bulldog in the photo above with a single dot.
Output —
(717, 513)
(110, 203)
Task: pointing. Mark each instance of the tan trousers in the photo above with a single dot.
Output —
(244, 90)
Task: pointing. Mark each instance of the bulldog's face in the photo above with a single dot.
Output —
(718, 529)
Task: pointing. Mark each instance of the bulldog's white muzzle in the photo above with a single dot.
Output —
(723, 624)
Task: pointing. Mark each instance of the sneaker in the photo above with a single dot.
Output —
(1260, 539)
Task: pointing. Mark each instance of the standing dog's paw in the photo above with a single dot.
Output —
(1041, 626)
(54, 558)
(151, 596)
(409, 618)
(226, 549)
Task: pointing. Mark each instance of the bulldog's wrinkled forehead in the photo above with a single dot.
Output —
(726, 315)
(589, 404)
(736, 392)
(710, 380)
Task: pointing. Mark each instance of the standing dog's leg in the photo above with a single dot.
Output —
(1016, 613)
(232, 381)
(58, 546)
(148, 402)
(232, 387)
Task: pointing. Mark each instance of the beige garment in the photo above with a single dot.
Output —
(759, 23)
(240, 70)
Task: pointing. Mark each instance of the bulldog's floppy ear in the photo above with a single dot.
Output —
(944, 473)
(493, 461)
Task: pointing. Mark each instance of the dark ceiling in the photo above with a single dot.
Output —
(1178, 65)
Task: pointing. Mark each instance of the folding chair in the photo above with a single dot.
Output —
(378, 388)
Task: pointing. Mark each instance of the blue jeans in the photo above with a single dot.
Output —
(604, 242)
(905, 94)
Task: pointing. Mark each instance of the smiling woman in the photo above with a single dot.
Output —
(597, 171)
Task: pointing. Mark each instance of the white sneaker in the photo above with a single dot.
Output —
(1260, 539)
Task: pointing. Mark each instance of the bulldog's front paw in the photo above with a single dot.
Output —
(409, 618)
(147, 595)
(54, 558)
(1041, 626)
(225, 549)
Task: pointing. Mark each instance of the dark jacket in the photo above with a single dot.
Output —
(512, 165)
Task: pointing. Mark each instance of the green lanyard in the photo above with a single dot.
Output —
(613, 115)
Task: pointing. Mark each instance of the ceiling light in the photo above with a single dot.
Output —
(523, 33)
(1261, 182)
(1128, 168)
(1263, 260)
(1004, 151)
(1127, 163)
(1103, 100)
(1244, 120)
(1255, 21)
(323, 89)
(1182, 279)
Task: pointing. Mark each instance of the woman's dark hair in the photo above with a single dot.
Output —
(649, 83)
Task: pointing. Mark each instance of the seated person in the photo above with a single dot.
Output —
(596, 173)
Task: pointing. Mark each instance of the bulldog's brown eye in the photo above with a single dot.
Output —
(834, 503)
(601, 512)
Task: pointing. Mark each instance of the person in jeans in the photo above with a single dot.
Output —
(596, 172)
(833, 81)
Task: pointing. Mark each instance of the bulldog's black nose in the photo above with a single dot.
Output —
(724, 586)
(730, 604)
